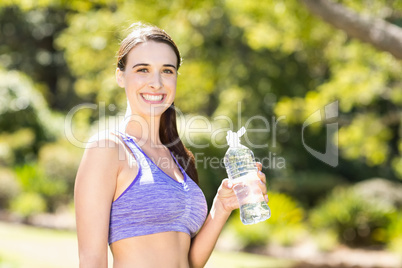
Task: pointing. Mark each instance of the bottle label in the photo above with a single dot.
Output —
(247, 189)
(249, 177)
(239, 162)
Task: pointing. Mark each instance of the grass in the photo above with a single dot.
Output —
(27, 246)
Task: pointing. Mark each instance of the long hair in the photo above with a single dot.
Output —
(170, 138)
(141, 33)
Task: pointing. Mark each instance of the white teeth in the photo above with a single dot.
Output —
(152, 97)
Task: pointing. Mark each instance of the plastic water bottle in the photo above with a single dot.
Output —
(242, 171)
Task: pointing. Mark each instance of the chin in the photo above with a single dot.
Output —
(155, 112)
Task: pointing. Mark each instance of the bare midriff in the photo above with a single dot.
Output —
(168, 250)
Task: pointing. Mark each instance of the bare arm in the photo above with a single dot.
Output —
(204, 242)
(224, 203)
(94, 190)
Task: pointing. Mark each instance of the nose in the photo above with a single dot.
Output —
(155, 81)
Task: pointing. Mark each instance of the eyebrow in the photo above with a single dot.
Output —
(146, 64)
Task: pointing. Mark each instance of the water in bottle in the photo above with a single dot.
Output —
(242, 171)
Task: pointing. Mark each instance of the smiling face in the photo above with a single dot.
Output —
(149, 78)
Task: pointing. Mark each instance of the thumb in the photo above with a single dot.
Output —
(227, 184)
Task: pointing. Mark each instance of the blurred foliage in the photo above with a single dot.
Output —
(357, 220)
(52, 179)
(382, 191)
(394, 232)
(268, 65)
(9, 187)
(325, 239)
(26, 121)
(284, 227)
(28, 204)
(59, 163)
(309, 186)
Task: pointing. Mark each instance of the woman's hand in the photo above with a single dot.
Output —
(226, 199)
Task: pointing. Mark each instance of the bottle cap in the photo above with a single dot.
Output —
(233, 138)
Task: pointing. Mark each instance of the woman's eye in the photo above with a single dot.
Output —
(168, 71)
(143, 70)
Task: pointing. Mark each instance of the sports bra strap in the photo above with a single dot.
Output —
(143, 164)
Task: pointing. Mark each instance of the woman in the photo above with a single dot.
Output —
(138, 190)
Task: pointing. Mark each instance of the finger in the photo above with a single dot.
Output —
(227, 184)
(263, 188)
(266, 198)
(262, 177)
(259, 166)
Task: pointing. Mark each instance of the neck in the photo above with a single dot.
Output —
(146, 130)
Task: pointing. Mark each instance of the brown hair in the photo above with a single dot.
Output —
(141, 33)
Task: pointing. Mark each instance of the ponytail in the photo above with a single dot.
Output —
(170, 138)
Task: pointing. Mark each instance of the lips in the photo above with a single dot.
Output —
(153, 98)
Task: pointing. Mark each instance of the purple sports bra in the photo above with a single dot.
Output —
(155, 202)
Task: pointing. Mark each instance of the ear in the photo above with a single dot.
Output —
(120, 77)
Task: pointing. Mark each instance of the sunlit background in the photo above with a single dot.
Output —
(266, 65)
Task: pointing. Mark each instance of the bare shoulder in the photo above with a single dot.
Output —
(103, 139)
(107, 141)
(105, 148)
(99, 166)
